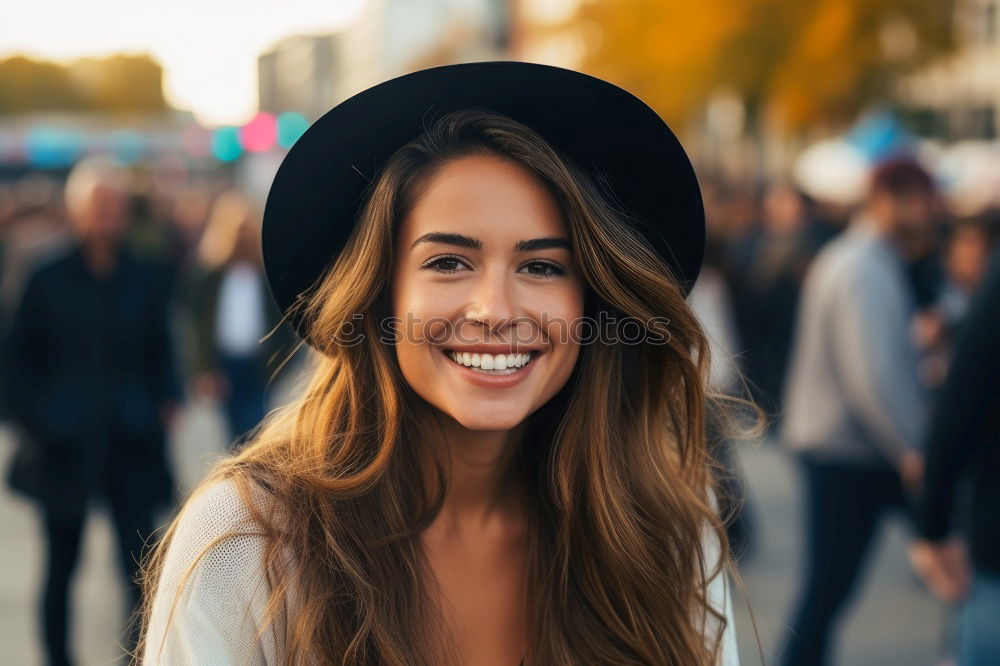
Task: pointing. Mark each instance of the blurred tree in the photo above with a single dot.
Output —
(806, 60)
(122, 83)
(115, 84)
(29, 85)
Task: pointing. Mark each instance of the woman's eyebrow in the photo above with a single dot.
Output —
(461, 240)
(546, 243)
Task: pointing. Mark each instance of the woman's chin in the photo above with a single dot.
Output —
(483, 420)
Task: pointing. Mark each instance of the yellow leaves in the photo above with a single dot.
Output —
(810, 60)
(829, 29)
(822, 67)
(661, 50)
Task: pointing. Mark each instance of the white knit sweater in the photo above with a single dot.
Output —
(221, 606)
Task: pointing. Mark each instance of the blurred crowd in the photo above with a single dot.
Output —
(865, 331)
(120, 299)
(868, 333)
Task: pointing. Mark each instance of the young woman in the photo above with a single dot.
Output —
(499, 457)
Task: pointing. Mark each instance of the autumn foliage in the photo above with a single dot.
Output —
(803, 60)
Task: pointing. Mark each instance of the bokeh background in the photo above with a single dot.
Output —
(783, 106)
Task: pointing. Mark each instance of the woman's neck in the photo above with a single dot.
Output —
(485, 492)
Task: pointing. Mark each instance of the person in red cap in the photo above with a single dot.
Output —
(855, 406)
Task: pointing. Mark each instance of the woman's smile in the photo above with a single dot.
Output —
(496, 370)
(491, 363)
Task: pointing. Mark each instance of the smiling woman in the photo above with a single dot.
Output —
(486, 487)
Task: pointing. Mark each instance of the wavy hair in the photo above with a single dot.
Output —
(617, 465)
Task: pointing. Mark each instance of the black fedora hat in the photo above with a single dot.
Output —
(317, 193)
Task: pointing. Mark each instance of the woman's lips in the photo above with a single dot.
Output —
(483, 370)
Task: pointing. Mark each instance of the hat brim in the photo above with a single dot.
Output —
(314, 201)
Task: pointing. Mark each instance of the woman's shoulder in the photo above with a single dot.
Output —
(219, 536)
(211, 512)
(219, 507)
(212, 594)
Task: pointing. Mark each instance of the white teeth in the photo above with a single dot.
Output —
(499, 364)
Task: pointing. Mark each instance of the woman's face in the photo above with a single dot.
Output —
(484, 274)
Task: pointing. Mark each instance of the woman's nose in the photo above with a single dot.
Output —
(492, 302)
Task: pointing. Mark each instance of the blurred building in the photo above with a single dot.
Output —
(299, 74)
(959, 97)
(437, 32)
(311, 74)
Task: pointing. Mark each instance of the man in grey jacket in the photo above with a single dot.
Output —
(855, 407)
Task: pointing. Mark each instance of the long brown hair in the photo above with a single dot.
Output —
(616, 463)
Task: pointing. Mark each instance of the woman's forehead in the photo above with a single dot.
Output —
(492, 200)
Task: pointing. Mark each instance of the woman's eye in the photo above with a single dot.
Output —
(454, 265)
(444, 264)
(544, 269)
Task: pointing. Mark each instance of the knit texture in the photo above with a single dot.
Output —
(214, 616)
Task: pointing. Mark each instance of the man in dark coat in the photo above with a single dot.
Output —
(963, 444)
(88, 377)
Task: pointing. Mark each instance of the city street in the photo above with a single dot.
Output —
(894, 623)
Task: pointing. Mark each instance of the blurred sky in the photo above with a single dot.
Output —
(208, 48)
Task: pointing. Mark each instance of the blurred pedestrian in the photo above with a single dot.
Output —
(32, 228)
(964, 440)
(768, 282)
(87, 375)
(855, 407)
(965, 257)
(232, 312)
